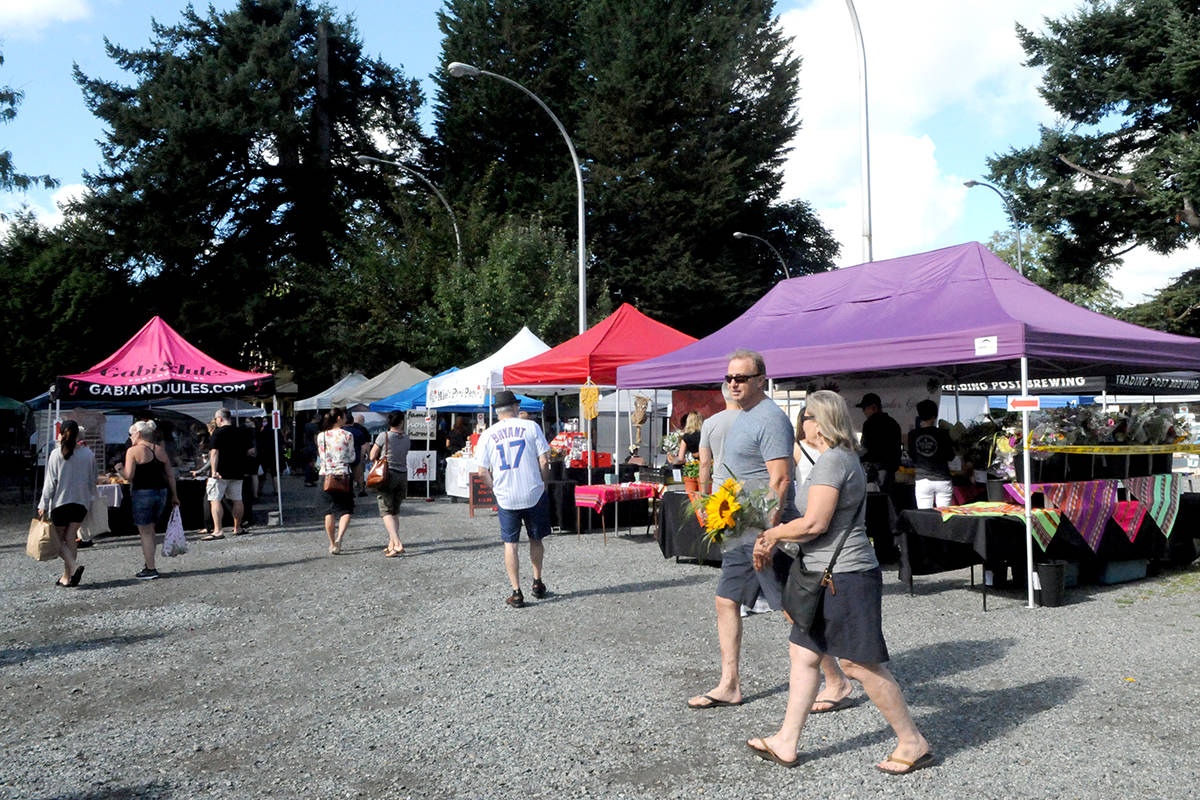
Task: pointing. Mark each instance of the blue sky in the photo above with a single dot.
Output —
(947, 89)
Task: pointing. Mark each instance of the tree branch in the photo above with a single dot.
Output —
(1127, 184)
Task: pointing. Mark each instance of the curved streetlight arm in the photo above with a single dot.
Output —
(1012, 214)
(457, 69)
(434, 189)
(739, 235)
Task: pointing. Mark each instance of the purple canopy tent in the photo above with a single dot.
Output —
(956, 313)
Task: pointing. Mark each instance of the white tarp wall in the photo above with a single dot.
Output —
(325, 398)
(473, 385)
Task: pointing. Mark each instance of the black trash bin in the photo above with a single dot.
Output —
(1052, 575)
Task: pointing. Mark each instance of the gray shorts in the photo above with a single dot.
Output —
(741, 583)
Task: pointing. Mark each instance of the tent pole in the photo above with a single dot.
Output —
(616, 459)
(278, 472)
(1028, 478)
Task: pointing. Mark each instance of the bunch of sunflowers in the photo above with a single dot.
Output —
(732, 510)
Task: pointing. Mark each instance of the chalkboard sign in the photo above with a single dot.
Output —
(481, 494)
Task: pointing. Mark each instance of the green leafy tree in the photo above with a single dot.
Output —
(1175, 309)
(57, 306)
(230, 184)
(681, 113)
(1036, 248)
(1123, 169)
(10, 179)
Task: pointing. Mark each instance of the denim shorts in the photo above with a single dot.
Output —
(536, 519)
(148, 505)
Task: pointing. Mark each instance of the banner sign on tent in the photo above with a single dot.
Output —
(1153, 384)
(1063, 385)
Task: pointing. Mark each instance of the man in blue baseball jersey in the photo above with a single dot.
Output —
(514, 461)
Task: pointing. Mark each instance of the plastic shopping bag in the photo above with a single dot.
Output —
(175, 543)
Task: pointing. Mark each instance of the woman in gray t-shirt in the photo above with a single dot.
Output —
(849, 620)
(392, 444)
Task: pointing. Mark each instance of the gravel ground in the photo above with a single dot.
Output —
(262, 667)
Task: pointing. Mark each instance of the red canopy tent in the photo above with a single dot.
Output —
(159, 363)
(624, 337)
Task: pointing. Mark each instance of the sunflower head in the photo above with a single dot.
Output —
(721, 507)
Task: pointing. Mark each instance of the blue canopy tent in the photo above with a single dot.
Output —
(413, 399)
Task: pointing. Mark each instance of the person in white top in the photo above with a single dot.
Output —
(514, 461)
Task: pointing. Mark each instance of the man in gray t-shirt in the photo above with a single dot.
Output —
(757, 451)
(712, 443)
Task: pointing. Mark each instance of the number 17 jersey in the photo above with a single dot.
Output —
(510, 450)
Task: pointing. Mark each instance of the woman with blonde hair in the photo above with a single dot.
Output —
(151, 485)
(69, 488)
(849, 620)
(689, 442)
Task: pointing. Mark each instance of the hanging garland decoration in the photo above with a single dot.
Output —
(589, 400)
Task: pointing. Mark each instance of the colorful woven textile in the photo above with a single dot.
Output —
(1129, 514)
(1088, 504)
(1160, 495)
(597, 496)
(1044, 521)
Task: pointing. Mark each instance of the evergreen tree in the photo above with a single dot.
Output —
(681, 112)
(1124, 168)
(230, 183)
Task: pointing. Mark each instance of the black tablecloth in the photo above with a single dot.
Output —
(679, 532)
(928, 545)
(562, 504)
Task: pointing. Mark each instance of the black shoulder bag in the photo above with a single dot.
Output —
(805, 587)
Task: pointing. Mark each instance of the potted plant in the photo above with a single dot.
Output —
(691, 476)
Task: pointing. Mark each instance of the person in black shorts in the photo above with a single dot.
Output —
(68, 491)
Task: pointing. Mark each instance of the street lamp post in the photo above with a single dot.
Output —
(434, 189)
(1012, 214)
(782, 263)
(868, 247)
(457, 69)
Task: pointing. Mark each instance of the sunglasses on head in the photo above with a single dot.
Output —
(740, 379)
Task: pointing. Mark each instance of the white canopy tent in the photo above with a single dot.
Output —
(394, 379)
(474, 385)
(325, 398)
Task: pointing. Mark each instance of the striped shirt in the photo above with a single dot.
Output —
(510, 450)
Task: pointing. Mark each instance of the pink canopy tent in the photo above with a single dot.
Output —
(158, 363)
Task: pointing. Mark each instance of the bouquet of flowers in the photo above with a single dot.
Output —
(670, 442)
(732, 510)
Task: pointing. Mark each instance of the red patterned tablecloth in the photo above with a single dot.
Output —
(597, 496)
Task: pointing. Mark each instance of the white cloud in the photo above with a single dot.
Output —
(25, 17)
(48, 217)
(937, 57)
(1143, 272)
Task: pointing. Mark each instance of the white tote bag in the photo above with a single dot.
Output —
(175, 543)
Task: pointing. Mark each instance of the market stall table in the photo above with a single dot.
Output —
(680, 534)
(597, 496)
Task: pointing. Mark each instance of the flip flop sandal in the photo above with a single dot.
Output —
(712, 703)
(212, 537)
(926, 760)
(834, 705)
(767, 754)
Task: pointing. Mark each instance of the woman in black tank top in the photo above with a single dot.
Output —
(151, 484)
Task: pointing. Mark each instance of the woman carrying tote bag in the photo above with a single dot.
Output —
(68, 491)
(392, 445)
